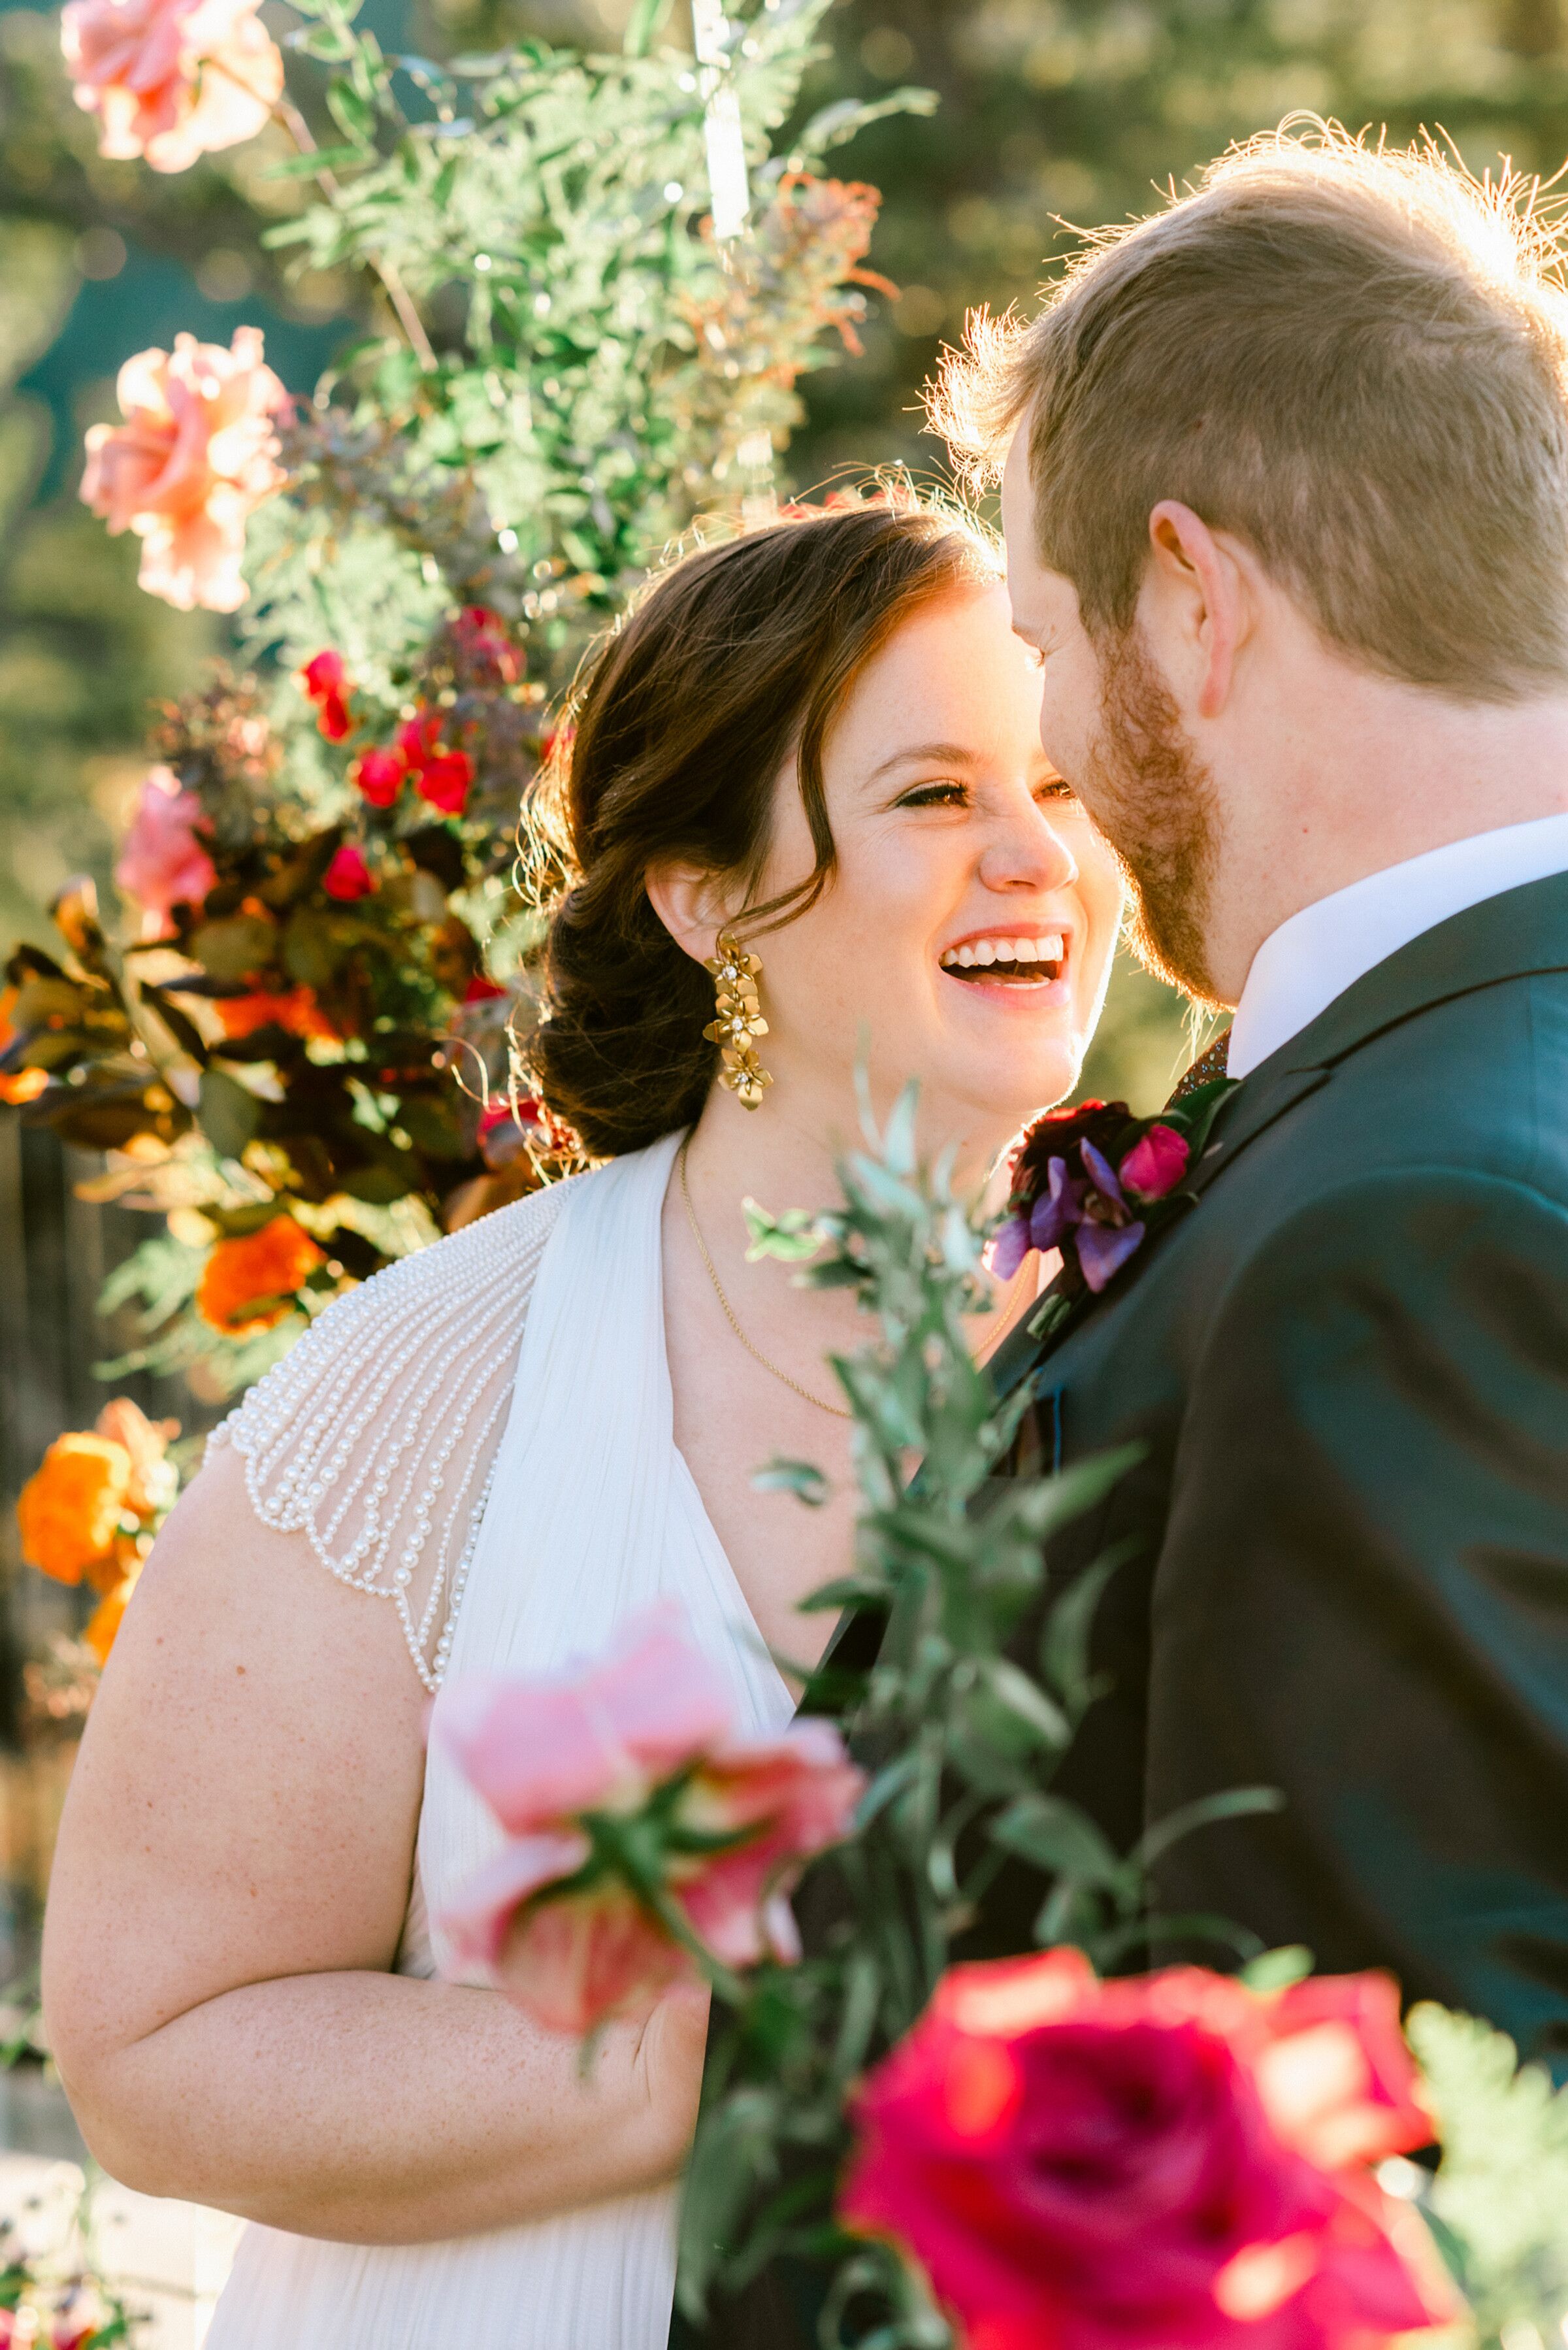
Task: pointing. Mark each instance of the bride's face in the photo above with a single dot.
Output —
(965, 937)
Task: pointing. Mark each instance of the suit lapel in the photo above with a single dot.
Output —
(1505, 937)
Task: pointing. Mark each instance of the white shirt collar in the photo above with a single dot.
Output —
(1309, 960)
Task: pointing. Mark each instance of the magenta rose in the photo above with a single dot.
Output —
(1092, 2167)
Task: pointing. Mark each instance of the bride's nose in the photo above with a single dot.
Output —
(1027, 852)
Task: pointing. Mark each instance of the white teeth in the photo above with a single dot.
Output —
(1049, 949)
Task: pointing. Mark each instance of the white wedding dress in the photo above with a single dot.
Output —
(483, 1435)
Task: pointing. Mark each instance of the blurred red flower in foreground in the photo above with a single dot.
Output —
(634, 1817)
(1172, 2160)
(325, 682)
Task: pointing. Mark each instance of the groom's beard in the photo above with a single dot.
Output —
(1154, 800)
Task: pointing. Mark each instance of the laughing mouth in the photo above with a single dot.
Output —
(1011, 963)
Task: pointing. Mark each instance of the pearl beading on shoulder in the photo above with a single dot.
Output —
(376, 1435)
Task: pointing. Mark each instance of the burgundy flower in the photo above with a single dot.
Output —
(480, 640)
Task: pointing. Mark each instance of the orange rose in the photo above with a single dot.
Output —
(248, 1284)
(70, 1507)
(104, 1622)
(299, 1011)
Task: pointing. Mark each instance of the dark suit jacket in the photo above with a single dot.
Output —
(1348, 1367)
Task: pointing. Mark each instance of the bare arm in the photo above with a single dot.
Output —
(233, 1872)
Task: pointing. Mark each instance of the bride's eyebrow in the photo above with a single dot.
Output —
(925, 754)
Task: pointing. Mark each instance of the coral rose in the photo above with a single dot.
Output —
(170, 80)
(634, 1818)
(162, 862)
(248, 1284)
(1096, 2166)
(70, 1507)
(154, 1480)
(195, 455)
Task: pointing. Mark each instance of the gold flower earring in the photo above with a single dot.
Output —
(740, 1010)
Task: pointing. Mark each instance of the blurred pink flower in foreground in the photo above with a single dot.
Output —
(623, 1794)
(1170, 2159)
(194, 457)
(170, 80)
(162, 864)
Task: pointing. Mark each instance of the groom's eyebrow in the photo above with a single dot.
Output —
(922, 752)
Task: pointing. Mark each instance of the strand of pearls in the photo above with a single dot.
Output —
(376, 1435)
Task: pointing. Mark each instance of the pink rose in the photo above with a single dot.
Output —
(193, 460)
(631, 1808)
(325, 682)
(348, 877)
(1098, 2166)
(170, 80)
(162, 862)
(378, 774)
(1155, 1164)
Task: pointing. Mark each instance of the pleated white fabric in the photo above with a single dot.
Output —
(591, 1515)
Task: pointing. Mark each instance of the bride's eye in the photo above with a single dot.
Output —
(943, 795)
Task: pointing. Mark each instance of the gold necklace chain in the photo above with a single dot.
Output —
(755, 1353)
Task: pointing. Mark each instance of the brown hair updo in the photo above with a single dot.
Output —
(736, 657)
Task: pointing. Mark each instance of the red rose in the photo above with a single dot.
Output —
(444, 781)
(323, 682)
(348, 877)
(378, 774)
(1093, 2167)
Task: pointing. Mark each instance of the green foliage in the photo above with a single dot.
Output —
(961, 1722)
(1499, 2203)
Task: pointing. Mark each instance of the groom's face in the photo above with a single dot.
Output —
(1112, 729)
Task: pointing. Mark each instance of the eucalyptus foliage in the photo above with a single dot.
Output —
(961, 1726)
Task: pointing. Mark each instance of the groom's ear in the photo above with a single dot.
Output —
(1198, 603)
(689, 902)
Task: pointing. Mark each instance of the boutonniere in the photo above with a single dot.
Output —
(1095, 1182)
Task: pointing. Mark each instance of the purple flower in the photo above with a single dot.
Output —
(1103, 1249)
(1059, 1207)
(1102, 1174)
(1008, 1246)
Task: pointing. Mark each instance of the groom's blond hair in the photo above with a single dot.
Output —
(1353, 359)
